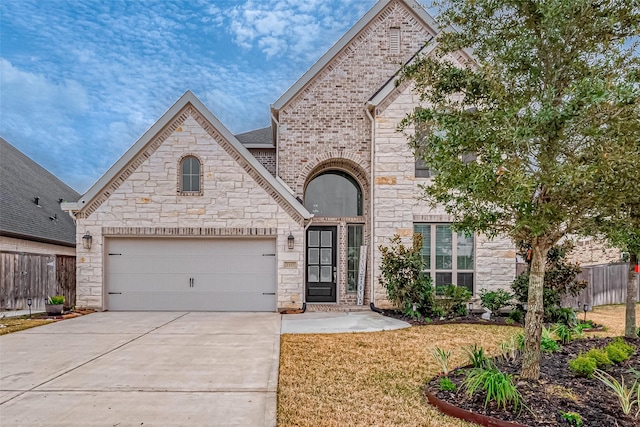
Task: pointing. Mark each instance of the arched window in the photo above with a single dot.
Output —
(190, 176)
(333, 193)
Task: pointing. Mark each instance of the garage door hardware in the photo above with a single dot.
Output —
(268, 254)
(192, 282)
(268, 293)
(115, 254)
(115, 293)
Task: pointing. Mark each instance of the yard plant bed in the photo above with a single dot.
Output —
(558, 390)
(471, 319)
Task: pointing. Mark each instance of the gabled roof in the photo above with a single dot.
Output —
(345, 40)
(116, 174)
(21, 181)
(257, 138)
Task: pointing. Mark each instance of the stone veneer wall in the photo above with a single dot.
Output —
(232, 203)
(396, 204)
(592, 252)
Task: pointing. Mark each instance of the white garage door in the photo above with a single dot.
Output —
(190, 274)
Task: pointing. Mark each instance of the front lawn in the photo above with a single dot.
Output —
(371, 379)
(376, 379)
(15, 324)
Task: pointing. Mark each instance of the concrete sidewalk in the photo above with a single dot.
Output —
(339, 322)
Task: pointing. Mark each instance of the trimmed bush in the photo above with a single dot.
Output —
(616, 354)
(583, 365)
(600, 356)
(624, 346)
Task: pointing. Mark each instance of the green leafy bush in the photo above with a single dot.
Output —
(559, 280)
(583, 365)
(476, 356)
(616, 354)
(572, 418)
(56, 300)
(566, 334)
(566, 316)
(451, 300)
(600, 356)
(517, 315)
(623, 345)
(497, 385)
(547, 343)
(403, 277)
(446, 384)
(495, 300)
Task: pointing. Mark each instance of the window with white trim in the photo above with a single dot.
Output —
(448, 256)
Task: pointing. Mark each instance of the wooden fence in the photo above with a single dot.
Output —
(35, 276)
(606, 284)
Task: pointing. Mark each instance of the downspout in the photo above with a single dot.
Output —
(304, 293)
(371, 211)
(275, 140)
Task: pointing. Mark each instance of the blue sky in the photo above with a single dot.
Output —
(81, 80)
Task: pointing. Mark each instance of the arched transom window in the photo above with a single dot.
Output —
(190, 175)
(334, 193)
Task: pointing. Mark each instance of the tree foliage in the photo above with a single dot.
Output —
(550, 108)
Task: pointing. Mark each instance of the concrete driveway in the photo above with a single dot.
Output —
(143, 369)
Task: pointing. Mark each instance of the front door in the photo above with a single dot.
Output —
(321, 264)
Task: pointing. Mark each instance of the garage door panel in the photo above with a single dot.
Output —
(191, 274)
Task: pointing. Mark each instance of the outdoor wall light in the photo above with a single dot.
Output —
(86, 240)
(290, 241)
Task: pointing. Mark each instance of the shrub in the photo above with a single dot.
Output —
(625, 394)
(451, 300)
(442, 358)
(446, 384)
(495, 300)
(566, 334)
(623, 345)
(403, 277)
(517, 315)
(616, 354)
(566, 316)
(547, 343)
(572, 418)
(559, 280)
(497, 385)
(600, 356)
(476, 356)
(583, 365)
(55, 300)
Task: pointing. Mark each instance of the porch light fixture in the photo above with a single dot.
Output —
(290, 241)
(86, 240)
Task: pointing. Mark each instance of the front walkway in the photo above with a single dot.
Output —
(339, 322)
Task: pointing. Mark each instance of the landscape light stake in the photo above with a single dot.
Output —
(585, 308)
(29, 302)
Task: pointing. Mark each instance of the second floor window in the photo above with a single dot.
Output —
(190, 175)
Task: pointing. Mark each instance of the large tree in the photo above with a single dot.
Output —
(550, 110)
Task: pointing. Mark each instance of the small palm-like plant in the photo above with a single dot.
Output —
(498, 386)
(625, 394)
(442, 358)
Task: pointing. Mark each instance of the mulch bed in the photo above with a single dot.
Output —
(473, 318)
(558, 390)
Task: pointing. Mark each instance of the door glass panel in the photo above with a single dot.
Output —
(326, 239)
(314, 238)
(325, 274)
(314, 257)
(325, 256)
(354, 241)
(312, 274)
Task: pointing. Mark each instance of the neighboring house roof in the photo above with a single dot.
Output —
(21, 181)
(345, 40)
(115, 175)
(257, 138)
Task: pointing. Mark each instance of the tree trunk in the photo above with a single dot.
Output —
(632, 297)
(533, 321)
